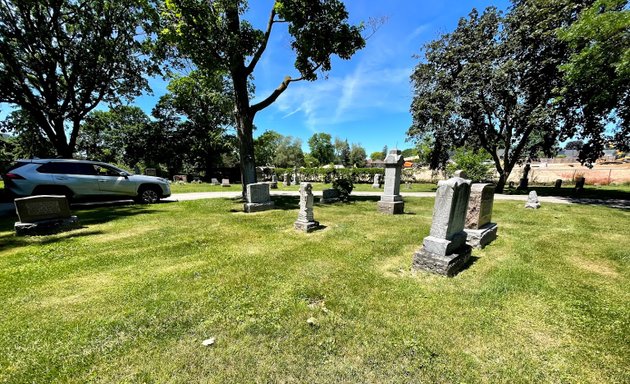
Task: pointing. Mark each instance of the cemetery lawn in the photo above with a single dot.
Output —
(207, 187)
(131, 296)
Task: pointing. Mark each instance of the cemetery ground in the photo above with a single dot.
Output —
(131, 296)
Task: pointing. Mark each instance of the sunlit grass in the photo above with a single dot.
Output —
(131, 296)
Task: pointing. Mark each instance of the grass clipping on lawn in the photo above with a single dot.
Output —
(132, 295)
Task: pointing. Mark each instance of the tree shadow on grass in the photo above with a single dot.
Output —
(586, 193)
(10, 240)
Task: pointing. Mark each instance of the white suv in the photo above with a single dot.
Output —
(82, 179)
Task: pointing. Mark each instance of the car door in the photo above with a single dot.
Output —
(110, 181)
(79, 177)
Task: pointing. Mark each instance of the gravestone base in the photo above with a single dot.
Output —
(332, 200)
(257, 207)
(306, 226)
(447, 265)
(273, 185)
(46, 227)
(376, 186)
(479, 238)
(391, 207)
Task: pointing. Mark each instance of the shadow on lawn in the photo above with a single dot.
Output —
(88, 215)
(586, 193)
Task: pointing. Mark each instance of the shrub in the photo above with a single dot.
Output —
(474, 163)
(344, 185)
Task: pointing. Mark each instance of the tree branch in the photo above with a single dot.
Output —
(263, 44)
(277, 92)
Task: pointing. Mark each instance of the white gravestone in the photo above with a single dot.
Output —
(305, 221)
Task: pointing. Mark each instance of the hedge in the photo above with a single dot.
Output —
(319, 175)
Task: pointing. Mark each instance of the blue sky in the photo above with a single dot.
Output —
(364, 100)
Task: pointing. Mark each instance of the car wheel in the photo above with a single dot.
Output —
(54, 190)
(148, 195)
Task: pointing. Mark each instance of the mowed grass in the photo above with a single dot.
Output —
(131, 296)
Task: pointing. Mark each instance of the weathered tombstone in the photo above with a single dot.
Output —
(182, 178)
(479, 228)
(579, 183)
(329, 196)
(305, 221)
(391, 202)
(287, 181)
(150, 172)
(45, 214)
(258, 198)
(274, 182)
(532, 200)
(296, 177)
(524, 182)
(445, 251)
(377, 181)
(225, 183)
(558, 184)
(214, 181)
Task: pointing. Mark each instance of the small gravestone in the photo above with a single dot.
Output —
(391, 202)
(274, 182)
(225, 183)
(258, 198)
(287, 180)
(42, 215)
(579, 183)
(532, 200)
(558, 184)
(150, 172)
(329, 196)
(296, 177)
(377, 181)
(445, 251)
(524, 182)
(479, 228)
(182, 178)
(306, 221)
(214, 181)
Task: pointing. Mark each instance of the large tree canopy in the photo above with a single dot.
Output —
(491, 83)
(597, 76)
(60, 58)
(213, 35)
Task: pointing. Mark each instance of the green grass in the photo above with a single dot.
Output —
(131, 296)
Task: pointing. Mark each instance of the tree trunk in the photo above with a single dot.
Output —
(244, 125)
(500, 184)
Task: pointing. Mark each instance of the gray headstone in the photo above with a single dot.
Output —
(182, 178)
(445, 250)
(274, 182)
(43, 214)
(377, 181)
(391, 202)
(532, 200)
(287, 180)
(305, 221)
(225, 183)
(479, 229)
(258, 198)
(214, 181)
(330, 195)
(150, 172)
(558, 183)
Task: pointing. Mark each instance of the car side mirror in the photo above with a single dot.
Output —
(124, 174)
